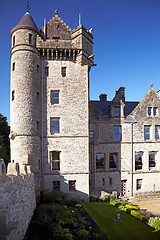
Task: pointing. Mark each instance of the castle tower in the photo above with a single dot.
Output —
(25, 95)
(49, 103)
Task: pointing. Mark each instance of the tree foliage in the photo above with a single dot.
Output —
(4, 139)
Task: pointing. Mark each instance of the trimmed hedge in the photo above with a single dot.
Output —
(139, 216)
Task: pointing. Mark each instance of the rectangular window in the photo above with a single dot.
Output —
(13, 41)
(30, 38)
(55, 160)
(37, 125)
(13, 66)
(55, 128)
(138, 160)
(103, 181)
(56, 185)
(63, 71)
(54, 97)
(157, 132)
(152, 160)
(110, 181)
(13, 95)
(72, 185)
(139, 184)
(147, 132)
(113, 160)
(91, 134)
(116, 111)
(149, 111)
(117, 133)
(46, 71)
(155, 111)
(37, 96)
(100, 161)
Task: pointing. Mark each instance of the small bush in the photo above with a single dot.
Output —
(68, 236)
(139, 216)
(154, 222)
(94, 198)
(82, 234)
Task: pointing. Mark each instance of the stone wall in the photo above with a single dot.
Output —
(17, 201)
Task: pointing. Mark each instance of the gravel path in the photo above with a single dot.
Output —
(150, 205)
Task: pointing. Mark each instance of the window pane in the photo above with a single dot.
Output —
(100, 161)
(149, 111)
(117, 133)
(63, 71)
(91, 134)
(138, 160)
(157, 132)
(55, 160)
(154, 111)
(117, 111)
(152, 160)
(113, 160)
(72, 185)
(139, 184)
(54, 125)
(54, 97)
(46, 71)
(147, 132)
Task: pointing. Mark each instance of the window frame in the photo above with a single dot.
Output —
(117, 113)
(52, 119)
(64, 71)
(57, 183)
(52, 98)
(103, 163)
(46, 71)
(149, 160)
(113, 160)
(91, 134)
(147, 133)
(70, 186)
(137, 161)
(138, 184)
(119, 133)
(53, 161)
(149, 113)
(156, 132)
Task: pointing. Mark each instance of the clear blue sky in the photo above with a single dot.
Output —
(126, 42)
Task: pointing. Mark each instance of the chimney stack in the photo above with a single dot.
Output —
(103, 98)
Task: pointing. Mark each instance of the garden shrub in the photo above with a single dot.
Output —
(82, 234)
(57, 232)
(139, 216)
(94, 198)
(68, 236)
(117, 204)
(154, 222)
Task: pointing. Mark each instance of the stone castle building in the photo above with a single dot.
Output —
(52, 117)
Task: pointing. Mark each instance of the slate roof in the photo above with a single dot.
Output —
(104, 107)
(26, 22)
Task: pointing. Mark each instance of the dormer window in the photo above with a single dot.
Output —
(116, 111)
(152, 111)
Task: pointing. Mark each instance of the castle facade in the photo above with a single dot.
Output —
(72, 144)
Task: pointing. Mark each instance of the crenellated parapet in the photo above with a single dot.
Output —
(17, 200)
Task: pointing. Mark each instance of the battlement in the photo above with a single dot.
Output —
(17, 201)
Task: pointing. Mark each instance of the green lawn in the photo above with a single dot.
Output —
(129, 228)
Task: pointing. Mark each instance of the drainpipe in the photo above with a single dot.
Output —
(132, 159)
(42, 132)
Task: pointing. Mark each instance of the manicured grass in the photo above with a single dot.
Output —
(129, 228)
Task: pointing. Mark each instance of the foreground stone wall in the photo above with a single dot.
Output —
(17, 201)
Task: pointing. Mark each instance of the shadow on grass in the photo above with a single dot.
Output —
(129, 228)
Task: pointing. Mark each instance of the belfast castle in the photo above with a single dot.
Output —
(72, 144)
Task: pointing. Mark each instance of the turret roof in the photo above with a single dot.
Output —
(26, 22)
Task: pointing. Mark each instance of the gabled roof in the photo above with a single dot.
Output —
(26, 22)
